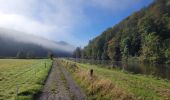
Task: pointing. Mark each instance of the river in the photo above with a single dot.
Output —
(156, 70)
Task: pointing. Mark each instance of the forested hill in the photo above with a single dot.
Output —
(21, 45)
(144, 35)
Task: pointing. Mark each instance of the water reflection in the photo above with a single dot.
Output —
(156, 70)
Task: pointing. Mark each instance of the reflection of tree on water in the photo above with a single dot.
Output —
(125, 55)
(134, 67)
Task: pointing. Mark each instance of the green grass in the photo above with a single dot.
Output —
(143, 87)
(28, 75)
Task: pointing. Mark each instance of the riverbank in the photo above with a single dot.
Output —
(135, 86)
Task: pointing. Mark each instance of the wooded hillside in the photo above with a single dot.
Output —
(144, 35)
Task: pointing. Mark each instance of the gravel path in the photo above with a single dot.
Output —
(60, 86)
(77, 93)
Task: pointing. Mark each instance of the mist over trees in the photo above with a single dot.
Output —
(12, 45)
(144, 35)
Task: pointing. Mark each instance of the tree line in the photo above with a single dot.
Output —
(144, 35)
(23, 54)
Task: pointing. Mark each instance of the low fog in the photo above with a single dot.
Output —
(32, 39)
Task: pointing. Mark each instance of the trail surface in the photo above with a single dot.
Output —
(61, 86)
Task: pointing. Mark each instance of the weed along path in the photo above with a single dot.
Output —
(60, 86)
(77, 93)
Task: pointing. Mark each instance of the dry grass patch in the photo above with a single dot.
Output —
(96, 86)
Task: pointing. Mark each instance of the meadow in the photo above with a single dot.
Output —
(117, 84)
(22, 79)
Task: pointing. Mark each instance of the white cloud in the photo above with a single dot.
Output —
(40, 17)
(23, 23)
(56, 19)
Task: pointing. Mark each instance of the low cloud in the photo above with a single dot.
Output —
(31, 39)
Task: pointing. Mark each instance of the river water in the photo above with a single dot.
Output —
(156, 70)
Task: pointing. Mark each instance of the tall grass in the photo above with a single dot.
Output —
(138, 87)
(97, 87)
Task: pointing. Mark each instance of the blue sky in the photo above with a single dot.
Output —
(101, 19)
(73, 21)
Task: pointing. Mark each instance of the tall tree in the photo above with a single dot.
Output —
(114, 50)
(77, 53)
(151, 49)
(21, 54)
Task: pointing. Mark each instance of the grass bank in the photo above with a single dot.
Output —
(23, 77)
(116, 84)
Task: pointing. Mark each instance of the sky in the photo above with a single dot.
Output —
(72, 21)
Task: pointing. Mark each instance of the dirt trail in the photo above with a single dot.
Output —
(77, 93)
(60, 86)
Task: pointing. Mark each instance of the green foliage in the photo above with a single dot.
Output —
(167, 50)
(144, 34)
(167, 55)
(114, 50)
(50, 55)
(151, 48)
(125, 47)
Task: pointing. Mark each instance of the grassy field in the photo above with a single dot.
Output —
(117, 84)
(25, 76)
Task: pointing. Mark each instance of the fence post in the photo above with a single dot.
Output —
(91, 76)
(91, 73)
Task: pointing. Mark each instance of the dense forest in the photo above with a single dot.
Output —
(145, 35)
